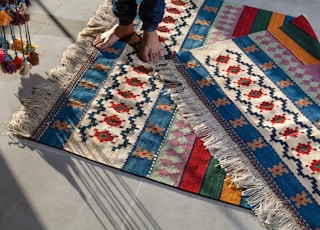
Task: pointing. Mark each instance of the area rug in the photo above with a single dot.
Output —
(245, 99)
(111, 108)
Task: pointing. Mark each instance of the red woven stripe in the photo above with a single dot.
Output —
(304, 25)
(246, 21)
(196, 168)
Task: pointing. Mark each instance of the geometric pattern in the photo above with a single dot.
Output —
(170, 165)
(116, 114)
(113, 111)
(255, 94)
(305, 76)
(225, 23)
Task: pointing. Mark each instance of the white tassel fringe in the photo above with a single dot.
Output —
(270, 212)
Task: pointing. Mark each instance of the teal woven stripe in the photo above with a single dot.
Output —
(303, 39)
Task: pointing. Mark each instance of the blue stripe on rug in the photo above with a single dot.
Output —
(147, 145)
(80, 98)
(248, 133)
(197, 33)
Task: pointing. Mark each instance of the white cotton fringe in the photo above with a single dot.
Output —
(35, 108)
(266, 208)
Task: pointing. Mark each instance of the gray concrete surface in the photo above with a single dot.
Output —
(43, 188)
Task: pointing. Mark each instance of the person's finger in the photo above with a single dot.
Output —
(97, 40)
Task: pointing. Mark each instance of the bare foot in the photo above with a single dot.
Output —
(151, 48)
(108, 38)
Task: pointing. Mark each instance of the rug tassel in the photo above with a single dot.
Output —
(33, 58)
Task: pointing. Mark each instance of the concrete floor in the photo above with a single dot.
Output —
(42, 188)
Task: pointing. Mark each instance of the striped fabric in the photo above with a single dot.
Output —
(300, 39)
(254, 20)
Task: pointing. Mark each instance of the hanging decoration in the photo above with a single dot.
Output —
(17, 53)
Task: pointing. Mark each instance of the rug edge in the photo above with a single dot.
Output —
(269, 212)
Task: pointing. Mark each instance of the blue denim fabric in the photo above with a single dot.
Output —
(150, 11)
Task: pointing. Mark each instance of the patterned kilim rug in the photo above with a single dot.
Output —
(255, 101)
(112, 108)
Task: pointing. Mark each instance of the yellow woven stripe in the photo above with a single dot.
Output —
(230, 193)
(276, 20)
(305, 57)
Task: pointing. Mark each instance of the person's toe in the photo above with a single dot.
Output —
(97, 40)
(145, 55)
(153, 56)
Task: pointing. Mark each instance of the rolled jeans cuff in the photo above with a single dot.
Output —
(125, 22)
(149, 28)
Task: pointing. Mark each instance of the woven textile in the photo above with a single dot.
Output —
(112, 108)
(247, 98)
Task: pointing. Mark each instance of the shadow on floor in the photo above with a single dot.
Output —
(15, 210)
(55, 20)
(105, 192)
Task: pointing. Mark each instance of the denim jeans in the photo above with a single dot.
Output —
(150, 11)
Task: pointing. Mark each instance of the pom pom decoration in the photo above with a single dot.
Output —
(8, 67)
(19, 18)
(17, 44)
(3, 56)
(33, 58)
(28, 48)
(5, 18)
(17, 62)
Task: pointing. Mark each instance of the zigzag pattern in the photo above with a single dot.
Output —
(240, 79)
(108, 96)
(177, 31)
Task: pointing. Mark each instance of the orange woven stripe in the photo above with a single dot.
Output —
(276, 20)
(230, 193)
(305, 57)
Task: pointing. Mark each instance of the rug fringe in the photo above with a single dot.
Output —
(35, 108)
(269, 212)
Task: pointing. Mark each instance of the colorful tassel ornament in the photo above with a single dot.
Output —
(17, 44)
(18, 62)
(8, 67)
(3, 56)
(33, 58)
(19, 54)
(28, 48)
(19, 18)
(5, 18)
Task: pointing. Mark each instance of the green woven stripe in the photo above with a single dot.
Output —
(213, 181)
(304, 40)
(262, 21)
